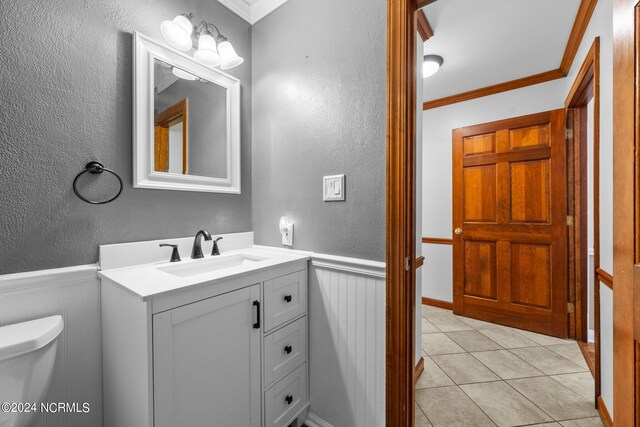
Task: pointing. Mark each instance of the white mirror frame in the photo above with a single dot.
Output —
(145, 51)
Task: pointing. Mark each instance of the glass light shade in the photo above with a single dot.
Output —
(177, 32)
(228, 55)
(183, 74)
(207, 53)
(431, 65)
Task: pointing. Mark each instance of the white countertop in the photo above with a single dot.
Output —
(149, 280)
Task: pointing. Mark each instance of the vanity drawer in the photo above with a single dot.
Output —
(286, 398)
(284, 299)
(285, 349)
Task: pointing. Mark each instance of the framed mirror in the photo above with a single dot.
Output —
(186, 122)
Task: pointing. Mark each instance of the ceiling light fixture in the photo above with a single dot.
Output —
(431, 65)
(211, 51)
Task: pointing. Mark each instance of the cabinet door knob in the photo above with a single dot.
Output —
(288, 349)
(287, 298)
(288, 399)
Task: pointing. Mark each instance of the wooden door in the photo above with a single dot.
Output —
(509, 220)
(206, 362)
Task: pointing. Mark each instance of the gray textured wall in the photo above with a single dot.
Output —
(319, 109)
(65, 99)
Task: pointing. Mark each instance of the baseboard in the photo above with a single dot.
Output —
(437, 303)
(418, 371)
(315, 421)
(604, 413)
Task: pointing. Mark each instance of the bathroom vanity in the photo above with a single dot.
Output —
(218, 341)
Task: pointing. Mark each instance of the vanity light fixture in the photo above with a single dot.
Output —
(183, 74)
(431, 65)
(211, 51)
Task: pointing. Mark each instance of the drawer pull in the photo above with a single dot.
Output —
(256, 325)
(287, 298)
(288, 349)
(288, 399)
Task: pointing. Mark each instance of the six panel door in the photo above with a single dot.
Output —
(509, 220)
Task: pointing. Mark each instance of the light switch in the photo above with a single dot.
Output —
(333, 188)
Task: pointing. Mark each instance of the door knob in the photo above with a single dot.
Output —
(458, 231)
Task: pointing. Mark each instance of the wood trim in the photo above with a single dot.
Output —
(492, 90)
(626, 21)
(437, 303)
(604, 412)
(580, 24)
(178, 112)
(604, 277)
(583, 85)
(419, 262)
(422, 3)
(424, 28)
(584, 348)
(418, 371)
(400, 212)
(437, 241)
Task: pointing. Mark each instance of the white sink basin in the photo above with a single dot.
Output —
(208, 265)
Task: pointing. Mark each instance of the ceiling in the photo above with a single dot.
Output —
(252, 10)
(488, 42)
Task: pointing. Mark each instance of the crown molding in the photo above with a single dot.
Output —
(252, 10)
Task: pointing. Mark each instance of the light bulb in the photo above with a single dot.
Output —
(183, 74)
(228, 55)
(177, 32)
(207, 53)
(431, 65)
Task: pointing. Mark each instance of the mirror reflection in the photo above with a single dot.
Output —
(190, 123)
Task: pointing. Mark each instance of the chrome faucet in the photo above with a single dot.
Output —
(196, 252)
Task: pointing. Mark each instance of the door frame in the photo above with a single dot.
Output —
(586, 87)
(626, 127)
(400, 201)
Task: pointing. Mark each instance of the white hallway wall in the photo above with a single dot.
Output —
(437, 172)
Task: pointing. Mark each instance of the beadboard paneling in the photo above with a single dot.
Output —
(73, 293)
(347, 341)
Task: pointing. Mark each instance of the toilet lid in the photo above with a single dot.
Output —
(25, 337)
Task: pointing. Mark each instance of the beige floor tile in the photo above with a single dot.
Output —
(546, 360)
(439, 344)
(473, 341)
(478, 324)
(507, 338)
(583, 422)
(581, 383)
(429, 312)
(449, 324)
(464, 368)
(542, 339)
(553, 398)
(570, 351)
(428, 328)
(507, 365)
(432, 376)
(505, 406)
(421, 419)
(449, 406)
(544, 425)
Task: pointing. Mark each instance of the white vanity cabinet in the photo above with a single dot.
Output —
(226, 353)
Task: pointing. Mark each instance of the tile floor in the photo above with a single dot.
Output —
(481, 374)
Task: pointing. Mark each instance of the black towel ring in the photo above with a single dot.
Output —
(96, 168)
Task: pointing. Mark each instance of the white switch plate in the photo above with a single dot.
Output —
(333, 188)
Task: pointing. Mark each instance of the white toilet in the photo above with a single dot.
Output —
(27, 356)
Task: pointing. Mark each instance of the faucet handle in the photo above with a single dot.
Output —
(175, 255)
(216, 249)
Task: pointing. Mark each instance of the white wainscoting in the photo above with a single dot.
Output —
(73, 293)
(347, 341)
